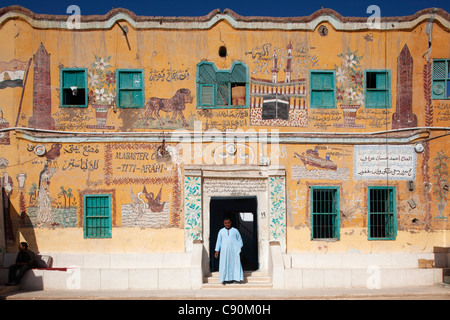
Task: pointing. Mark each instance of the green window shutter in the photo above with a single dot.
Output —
(206, 73)
(381, 98)
(322, 89)
(214, 87)
(239, 74)
(381, 81)
(328, 99)
(131, 88)
(439, 69)
(316, 99)
(223, 94)
(377, 89)
(438, 89)
(206, 95)
(441, 79)
(97, 216)
(73, 88)
(316, 81)
(371, 99)
(327, 81)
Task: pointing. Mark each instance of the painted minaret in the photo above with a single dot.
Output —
(274, 68)
(288, 69)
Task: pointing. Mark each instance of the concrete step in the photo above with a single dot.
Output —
(252, 280)
(7, 289)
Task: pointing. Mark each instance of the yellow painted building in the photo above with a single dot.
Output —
(125, 134)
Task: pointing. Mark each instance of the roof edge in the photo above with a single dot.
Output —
(47, 21)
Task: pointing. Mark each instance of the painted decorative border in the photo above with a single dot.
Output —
(173, 179)
(277, 187)
(193, 210)
(109, 177)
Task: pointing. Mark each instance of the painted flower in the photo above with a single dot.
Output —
(349, 94)
(349, 61)
(100, 95)
(340, 94)
(111, 78)
(92, 78)
(340, 74)
(101, 64)
(91, 96)
(359, 98)
(358, 79)
(192, 185)
(110, 98)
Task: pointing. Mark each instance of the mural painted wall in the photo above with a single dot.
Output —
(110, 114)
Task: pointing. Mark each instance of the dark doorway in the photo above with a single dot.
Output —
(242, 212)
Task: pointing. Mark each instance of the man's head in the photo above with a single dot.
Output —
(23, 246)
(227, 223)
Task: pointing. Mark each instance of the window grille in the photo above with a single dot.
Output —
(325, 220)
(382, 215)
(97, 216)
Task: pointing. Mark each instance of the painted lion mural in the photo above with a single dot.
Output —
(176, 105)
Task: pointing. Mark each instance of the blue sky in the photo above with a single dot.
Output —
(285, 8)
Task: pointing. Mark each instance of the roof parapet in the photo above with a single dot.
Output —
(339, 22)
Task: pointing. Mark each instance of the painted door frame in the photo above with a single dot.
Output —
(266, 183)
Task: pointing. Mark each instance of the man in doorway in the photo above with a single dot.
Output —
(229, 244)
(26, 259)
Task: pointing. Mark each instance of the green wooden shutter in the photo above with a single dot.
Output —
(206, 73)
(206, 94)
(70, 79)
(223, 93)
(214, 87)
(439, 70)
(97, 210)
(327, 99)
(441, 79)
(327, 81)
(239, 74)
(381, 81)
(131, 88)
(378, 94)
(322, 89)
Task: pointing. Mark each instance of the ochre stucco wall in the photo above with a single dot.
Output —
(169, 58)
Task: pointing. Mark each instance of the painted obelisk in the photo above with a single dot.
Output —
(42, 94)
(403, 116)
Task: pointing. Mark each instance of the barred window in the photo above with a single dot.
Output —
(382, 216)
(325, 222)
